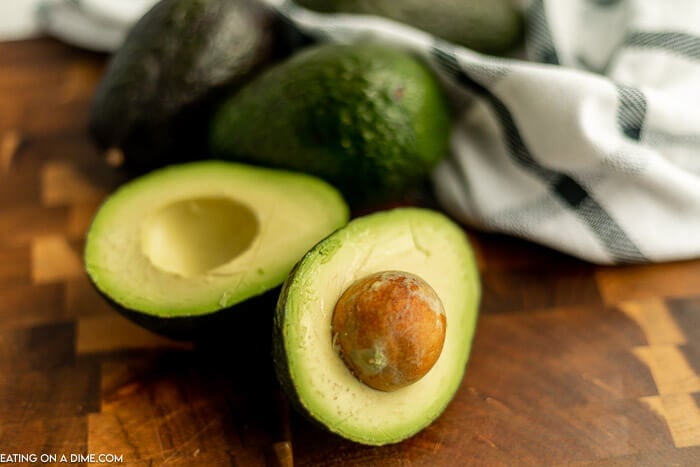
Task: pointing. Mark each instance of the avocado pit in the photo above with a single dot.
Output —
(389, 329)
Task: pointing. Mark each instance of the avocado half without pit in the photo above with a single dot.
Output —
(177, 247)
(374, 325)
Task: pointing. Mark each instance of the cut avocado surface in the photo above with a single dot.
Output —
(189, 240)
(417, 241)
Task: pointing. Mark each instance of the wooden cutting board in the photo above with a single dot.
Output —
(572, 364)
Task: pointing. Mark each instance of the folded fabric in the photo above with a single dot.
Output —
(18, 20)
(125, 12)
(70, 23)
(98, 25)
(594, 152)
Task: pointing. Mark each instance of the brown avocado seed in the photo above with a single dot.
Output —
(389, 329)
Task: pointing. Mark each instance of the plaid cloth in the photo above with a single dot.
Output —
(593, 151)
(99, 25)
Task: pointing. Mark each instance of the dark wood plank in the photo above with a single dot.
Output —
(498, 252)
(525, 289)
(43, 395)
(15, 266)
(21, 223)
(21, 185)
(28, 305)
(59, 436)
(43, 347)
(566, 357)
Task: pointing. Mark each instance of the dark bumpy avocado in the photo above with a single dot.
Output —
(156, 96)
(488, 26)
(370, 119)
(310, 368)
(180, 245)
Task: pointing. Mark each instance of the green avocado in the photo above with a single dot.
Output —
(154, 101)
(369, 119)
(488, 26)
(180, 245)
(319, 384)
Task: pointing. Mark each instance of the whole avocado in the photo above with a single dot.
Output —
(157, 94)
(368, 118)
(487, 26)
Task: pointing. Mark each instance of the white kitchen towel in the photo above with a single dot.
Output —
(71, 22)
(18, 19)
(98, 25)
(594, 151)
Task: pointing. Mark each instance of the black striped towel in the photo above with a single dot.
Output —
(593, 151)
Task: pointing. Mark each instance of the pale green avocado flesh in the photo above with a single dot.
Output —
(413, 240)
(196, 238)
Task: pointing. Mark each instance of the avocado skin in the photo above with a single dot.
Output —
(248, 322)
(279, 354)
(159, 90)
(487, 26)
(367, 118)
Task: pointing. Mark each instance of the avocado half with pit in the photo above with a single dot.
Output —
(359, 319)
(177, 247)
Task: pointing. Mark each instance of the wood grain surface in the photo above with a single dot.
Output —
(572, 364)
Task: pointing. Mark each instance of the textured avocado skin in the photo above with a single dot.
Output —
(487, 26)
(367, 118)
(157, 94)
(248, 321)
(279, 353)
(236, 339)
